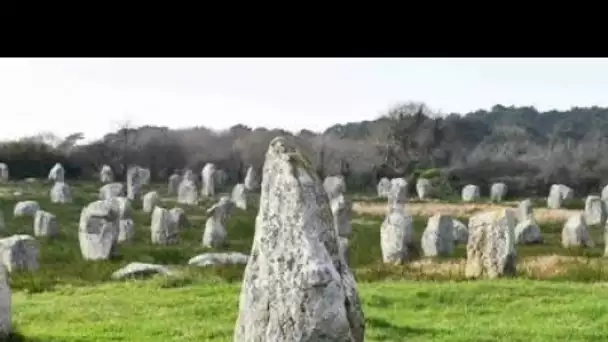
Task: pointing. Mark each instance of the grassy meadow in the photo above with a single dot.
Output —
(555, 296)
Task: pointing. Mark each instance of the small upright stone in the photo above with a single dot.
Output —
(396, 236)
(595, 211)
(215, 232)
(423, 187)
(438, 237)
(45, 224)
(295, 261)
(57, 173)
(605, 193)
(397, 194)
(491, 249)
(341, 209)
(173, 185)
(134, 182)
(525, 210)
(208, 176)
(575, 232)
(557, 194)
(498, 191)
(179, 218)
(26, 208)
(470, 193)
(61, 193)
(334, 186)
(98, 230)
(163, 230)
(126, 230)
(251, 181)
(384, 186)
(187, 192)
(238, 196)
(4, 174)
(19, 253)
(144, 176)
(150, 200)
(6, 325)
(106, 175)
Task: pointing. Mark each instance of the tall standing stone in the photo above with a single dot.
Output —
(134, 182)
(527, 230)
(173, 185)
(384, 186)
(6, 325)
(397, 194)
(57, 173)
(251, 179)
(438, 236)
(576, 233)
(150, 200)
(164, 230)
(423, 187)
(239, 197)
(98, 230)
(295, 261)
(470, 193)
(106, 175)
(45, 224)
(491, 248)
(498, 191)
(215, 227)
(208, 177)
(61, 193)
(595, 211)
(4, 174)
(187, 192)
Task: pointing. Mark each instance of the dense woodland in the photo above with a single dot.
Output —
(527, 149)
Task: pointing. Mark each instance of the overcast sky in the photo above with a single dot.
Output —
(94, 96)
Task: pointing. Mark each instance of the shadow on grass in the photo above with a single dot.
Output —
(385, 330)
(18, 337)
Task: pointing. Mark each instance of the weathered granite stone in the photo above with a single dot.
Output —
(396, 236)
(239, 197)
(134, 182)
(163, 229)
(144, 176)
(150, 200)
(57, 173)
(498, 191)
(139, 269)
(397, 194)
(557, 194)
(215, 259)
(20, 253)
(341, 209)
(595, 211)
(111, 190)
(438, 236)
(491, 246)
(215, 232)
(26, 208)
(122, 206)
(187, 192)
(208, 177)
(45, 224)
(126, 230)
(575, 232)
(295, 261)
(61, 193)
(251, 179)
(527, 232)
(334, 186)
(461, 232)
(106, 175)
(6, 325)
(423, 188)
(98, 230)
(525, 210)
(173, 185)
(384, 186)
(470, 193)
(4, 173)
(179, 218)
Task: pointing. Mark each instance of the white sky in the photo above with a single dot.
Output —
(94, 95)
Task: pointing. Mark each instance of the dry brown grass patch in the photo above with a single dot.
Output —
(461, 209)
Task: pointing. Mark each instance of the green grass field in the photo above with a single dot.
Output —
(70, 299)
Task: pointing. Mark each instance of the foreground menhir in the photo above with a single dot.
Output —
(296, 286)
